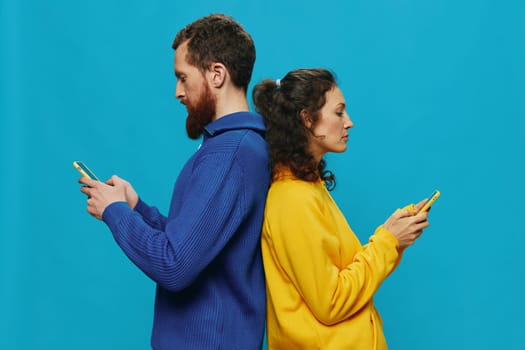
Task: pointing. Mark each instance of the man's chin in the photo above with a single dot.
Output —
(194, 128)
(200, 114)
(194, 135)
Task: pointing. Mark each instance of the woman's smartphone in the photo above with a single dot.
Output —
(431, 199)
(84, 170)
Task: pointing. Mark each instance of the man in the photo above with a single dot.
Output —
(205, 255)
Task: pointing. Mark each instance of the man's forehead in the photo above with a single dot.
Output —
(181, 64)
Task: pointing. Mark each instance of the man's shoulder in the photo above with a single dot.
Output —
(234, 141)
(236, 138)
(239, 121)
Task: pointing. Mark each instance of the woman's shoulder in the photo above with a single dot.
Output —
(286, 183)
(292, 191)
(293, 184)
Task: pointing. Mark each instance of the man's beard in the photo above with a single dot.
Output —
(201, 113)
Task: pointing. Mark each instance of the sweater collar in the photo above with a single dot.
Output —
(235, 121)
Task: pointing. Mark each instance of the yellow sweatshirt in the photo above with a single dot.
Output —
(320, 279)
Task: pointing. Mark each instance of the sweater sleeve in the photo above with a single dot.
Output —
(308, 248)
(211, 213)
(151, 215)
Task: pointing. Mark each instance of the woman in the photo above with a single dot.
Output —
(320, 279)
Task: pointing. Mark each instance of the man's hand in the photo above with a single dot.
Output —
(101, 195)
(131, 196)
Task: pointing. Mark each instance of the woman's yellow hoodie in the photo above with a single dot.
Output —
(320, 279)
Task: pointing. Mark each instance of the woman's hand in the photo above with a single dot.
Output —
(406, 225)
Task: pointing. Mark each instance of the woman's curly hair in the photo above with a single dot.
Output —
(280, 103)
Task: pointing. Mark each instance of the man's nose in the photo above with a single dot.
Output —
(179, 91)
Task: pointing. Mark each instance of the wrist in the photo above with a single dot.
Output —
(133, 202)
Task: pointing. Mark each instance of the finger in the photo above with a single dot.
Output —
(91, 208)
(421, 217)
(403, 213)
(420, 205)
(422, 225)
(85, 190)
(87, 181)
(92, 213)
(115, 180)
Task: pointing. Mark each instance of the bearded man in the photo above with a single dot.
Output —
(204, 256)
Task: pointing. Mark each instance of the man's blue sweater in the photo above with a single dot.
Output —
(205, 255)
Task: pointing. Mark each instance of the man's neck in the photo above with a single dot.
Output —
(232, 102)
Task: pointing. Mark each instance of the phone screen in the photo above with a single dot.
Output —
(84, 170)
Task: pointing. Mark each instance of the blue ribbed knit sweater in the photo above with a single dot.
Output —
(205, 255)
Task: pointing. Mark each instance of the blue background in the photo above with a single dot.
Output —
(436, 91)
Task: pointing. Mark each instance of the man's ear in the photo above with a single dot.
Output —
(307, 119)
(217, 74)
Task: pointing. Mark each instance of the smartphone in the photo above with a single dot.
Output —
(431, 199)
(84, 170)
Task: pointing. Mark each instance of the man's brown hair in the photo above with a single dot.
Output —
(219, 38)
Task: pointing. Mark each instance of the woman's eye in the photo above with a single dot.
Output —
(339, 114)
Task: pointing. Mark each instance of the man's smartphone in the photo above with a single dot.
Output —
(84, 170)
(431, 199)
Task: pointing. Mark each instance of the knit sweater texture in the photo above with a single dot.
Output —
(205, 255)
(320, 279)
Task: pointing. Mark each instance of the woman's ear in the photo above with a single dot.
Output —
(217, 74)
(307, 119)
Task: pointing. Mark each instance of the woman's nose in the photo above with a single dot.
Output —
(348, 123)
